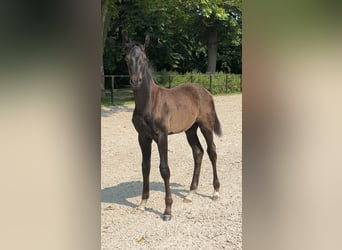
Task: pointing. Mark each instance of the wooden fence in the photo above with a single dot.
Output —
(117, 86)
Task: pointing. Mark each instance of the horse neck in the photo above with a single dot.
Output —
(143, 95)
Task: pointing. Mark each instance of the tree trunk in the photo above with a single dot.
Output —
(105, 16)
(212, 51)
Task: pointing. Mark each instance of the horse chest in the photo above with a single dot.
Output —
(144, 125)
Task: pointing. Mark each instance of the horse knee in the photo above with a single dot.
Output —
(164, 170)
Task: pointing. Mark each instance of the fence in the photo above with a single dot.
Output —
(219, 83)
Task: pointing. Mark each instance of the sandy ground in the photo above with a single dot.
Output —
(203, 224)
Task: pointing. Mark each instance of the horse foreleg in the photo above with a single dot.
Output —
(165, 173)
(145, 146)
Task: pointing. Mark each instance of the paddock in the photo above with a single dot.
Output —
(203, 224)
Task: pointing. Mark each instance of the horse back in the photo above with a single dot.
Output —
(182, 106)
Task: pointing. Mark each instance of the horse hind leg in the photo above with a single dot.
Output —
(197, 152)
(211, 150)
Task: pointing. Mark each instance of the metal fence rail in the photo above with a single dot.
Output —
(114, 83)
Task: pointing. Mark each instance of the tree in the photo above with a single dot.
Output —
(108, 10)
(216, 20)
(186, 35)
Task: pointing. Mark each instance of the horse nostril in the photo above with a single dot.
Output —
(135, 82)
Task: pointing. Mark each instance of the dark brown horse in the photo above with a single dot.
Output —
(160, 112)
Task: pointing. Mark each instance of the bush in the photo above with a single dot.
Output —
(173, 79)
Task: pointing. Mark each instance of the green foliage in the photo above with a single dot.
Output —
(173, 79)
(121, 97)
(218, 80)
(179, 33)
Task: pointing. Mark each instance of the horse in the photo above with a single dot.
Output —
(160, 112)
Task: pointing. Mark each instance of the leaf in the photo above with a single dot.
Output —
(141, 240)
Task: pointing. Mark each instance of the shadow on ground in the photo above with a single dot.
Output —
(120, 194)
(111, 110)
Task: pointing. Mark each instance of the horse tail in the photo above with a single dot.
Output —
(217, 126)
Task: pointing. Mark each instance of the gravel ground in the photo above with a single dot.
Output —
(203, 224)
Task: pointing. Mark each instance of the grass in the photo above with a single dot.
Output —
(125, 95)
(121, 97)
(218, 81)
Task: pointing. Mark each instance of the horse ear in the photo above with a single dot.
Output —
(147, 40)
(125, 39)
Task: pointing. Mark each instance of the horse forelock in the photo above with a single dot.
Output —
(137, 51)
(133, 45)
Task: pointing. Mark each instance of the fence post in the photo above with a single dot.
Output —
(226, 83)
(241, 82)
(112, 90)
(211, 82)
(169, 81)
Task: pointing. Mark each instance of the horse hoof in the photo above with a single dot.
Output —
(216, 196)
(141, 209)
(166, 217)
(188, 197)
(142, 205)
(187, 200)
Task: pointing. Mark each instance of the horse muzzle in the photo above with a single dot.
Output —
(136, 82)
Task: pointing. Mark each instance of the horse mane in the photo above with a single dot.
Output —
(150, 70)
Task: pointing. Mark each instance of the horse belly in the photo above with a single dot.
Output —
(180, 122)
